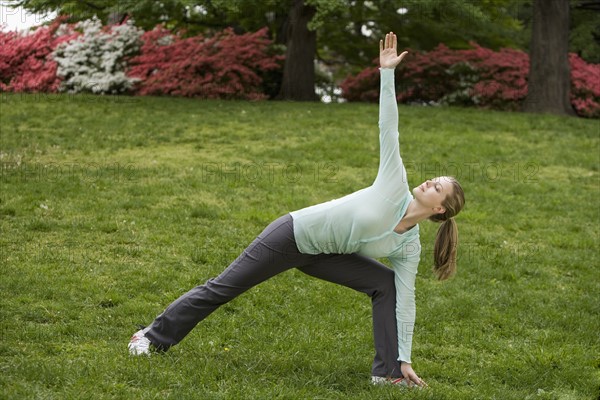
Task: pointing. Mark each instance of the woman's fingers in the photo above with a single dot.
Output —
(414, 379)
(391, 41)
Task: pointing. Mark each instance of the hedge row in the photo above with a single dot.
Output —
(474, 77)
(123, 59)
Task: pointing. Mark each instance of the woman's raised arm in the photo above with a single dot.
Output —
(391, 177)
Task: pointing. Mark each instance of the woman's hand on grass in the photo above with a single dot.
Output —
(388, 56)
(410, 377)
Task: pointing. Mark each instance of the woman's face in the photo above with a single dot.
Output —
(433, 192)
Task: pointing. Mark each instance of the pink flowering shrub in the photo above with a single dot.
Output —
(502, 78)
(223, 66)
(585, 87)
(25, 61)
(473, 77)
(90, 57)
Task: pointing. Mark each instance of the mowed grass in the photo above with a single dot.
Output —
(110, 208)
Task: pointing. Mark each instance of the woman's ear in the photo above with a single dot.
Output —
(439, 210)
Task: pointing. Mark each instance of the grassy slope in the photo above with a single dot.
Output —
(110, 208)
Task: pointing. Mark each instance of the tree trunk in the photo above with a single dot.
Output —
(115, 17)
(299, 69)
(549, 82)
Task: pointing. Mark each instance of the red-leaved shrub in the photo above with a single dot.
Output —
(585, 87)
(477, 76)
(223, 66)
(25, 62)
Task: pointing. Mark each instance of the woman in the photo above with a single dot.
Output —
(336, 241)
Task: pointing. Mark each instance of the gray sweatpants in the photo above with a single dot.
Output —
(271, 253)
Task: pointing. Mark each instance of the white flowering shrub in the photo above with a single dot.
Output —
(96, 60)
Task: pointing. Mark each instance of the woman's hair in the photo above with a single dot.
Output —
(446, 240)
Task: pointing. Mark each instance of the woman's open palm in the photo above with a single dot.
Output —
(388, 56)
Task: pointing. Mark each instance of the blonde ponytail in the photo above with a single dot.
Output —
(446, 240)
(444, 250)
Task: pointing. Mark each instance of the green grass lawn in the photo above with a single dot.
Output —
(110, 208)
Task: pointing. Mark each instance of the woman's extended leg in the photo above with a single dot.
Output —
(271, 253)
(376, 280)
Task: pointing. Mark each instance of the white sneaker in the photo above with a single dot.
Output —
(139, 343)
(380, 380)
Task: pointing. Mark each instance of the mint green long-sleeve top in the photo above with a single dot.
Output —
(363, 222)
